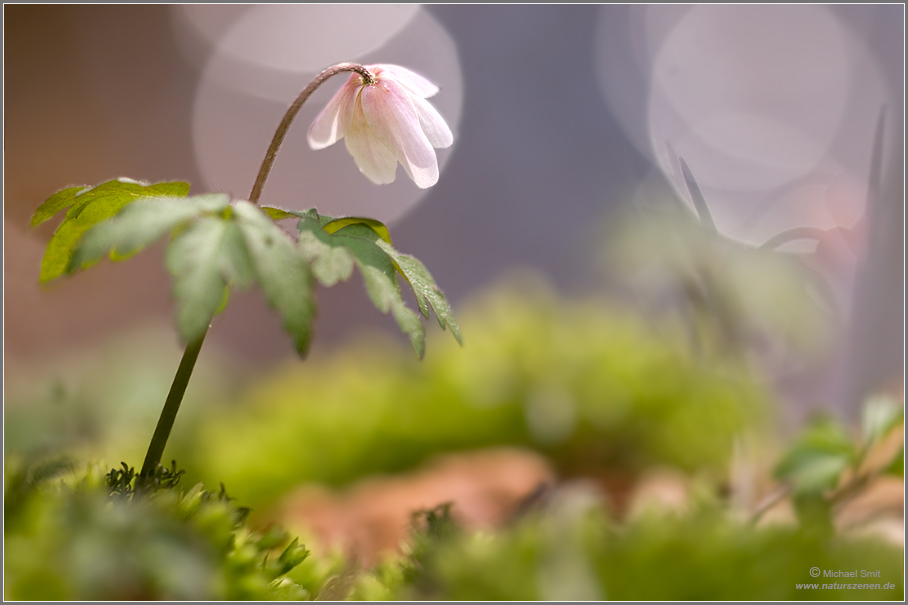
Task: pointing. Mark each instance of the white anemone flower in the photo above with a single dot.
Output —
(386, 122)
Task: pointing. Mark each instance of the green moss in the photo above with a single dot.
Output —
(589, 385)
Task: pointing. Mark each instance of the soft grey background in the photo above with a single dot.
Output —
(96, 92)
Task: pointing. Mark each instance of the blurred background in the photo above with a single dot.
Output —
(561, 114)
(658, 224)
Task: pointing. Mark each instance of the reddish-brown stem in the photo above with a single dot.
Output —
(281, 132)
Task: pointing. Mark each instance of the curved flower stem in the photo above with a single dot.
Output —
(169, 413)
(187, 364)
(291, 114)
(790, 235)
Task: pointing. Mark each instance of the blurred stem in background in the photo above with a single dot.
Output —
(743, 298)
(875, 355)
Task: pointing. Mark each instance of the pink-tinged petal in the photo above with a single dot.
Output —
(333, 123)
(412, 80)
(433, 125)
(373, 158)
(390, 114)
(423, 176)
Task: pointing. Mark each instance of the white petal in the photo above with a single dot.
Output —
(412, 80)
(333, 122)
(423, 176)
(433, 124)
(391, 116)
(372, 156)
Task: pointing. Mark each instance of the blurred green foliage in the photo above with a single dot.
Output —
(735, 299)
(588, 384)
(102, 403)
(591, 385)
(815, 461)
(574, 552)
(68, 536)
(825, 467)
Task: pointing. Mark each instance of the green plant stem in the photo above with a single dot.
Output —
(184, 372)
(169, 413)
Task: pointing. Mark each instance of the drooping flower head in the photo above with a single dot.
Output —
(385, 122)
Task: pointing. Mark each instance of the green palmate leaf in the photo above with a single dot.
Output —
(224, 301)
(55, 203)
(276, 213)
(333, 255)
(333, 225)
(334, 245)
(282, 213)
(380, 279)
(281, 271)
(330, 259)
(141, 223)
(203, 259)
(424, 288)
(88, 207)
